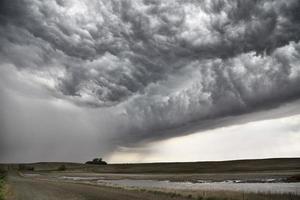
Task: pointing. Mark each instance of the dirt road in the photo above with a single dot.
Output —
(35, 189)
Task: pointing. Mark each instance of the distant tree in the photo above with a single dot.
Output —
(97, 161)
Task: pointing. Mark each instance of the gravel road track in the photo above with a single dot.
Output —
(24, 188)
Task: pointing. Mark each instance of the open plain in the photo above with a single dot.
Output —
(246, 179)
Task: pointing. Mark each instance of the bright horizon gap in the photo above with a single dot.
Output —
(230, 143)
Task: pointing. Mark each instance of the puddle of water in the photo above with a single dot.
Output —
(269, 180)
(74, 178)
(31, 175)
(232, 186)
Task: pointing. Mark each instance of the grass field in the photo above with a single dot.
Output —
(226, 195)
(262, 165)
(2, 176)
(50, 173)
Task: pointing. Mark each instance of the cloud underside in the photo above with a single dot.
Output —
(157, 64)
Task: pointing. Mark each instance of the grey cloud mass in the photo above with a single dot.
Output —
(156, 65)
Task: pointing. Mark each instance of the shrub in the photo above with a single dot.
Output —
(23, 167)
(62, 168)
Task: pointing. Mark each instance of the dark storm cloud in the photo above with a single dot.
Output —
(160, 64)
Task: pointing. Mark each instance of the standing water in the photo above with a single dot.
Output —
(275, 188)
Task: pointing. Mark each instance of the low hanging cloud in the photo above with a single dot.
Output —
(157, 65)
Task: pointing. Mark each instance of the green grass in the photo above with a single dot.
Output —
(226, 195)
(249, 196)
(2, 176)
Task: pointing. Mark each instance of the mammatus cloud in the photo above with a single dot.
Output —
(157, 65)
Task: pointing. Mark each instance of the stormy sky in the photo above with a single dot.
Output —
(136, 80)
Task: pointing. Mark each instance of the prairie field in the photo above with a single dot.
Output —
(240, 180)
